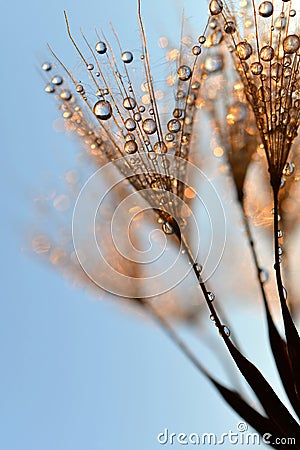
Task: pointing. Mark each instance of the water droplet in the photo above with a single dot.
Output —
(284, 292)
(174, 126)
(102, 110)
(160, 147)
(127, 57)
(46, 66)
(177, 113)
(149, 126)
(90, 67)
(263, 275)
(265, 9)
(211, 296)
(226, 330)
(212, 318)
(291, 44)
(49, 88)
(229, 27)
(198, 268)
(129, 103)
(184, 73)
(100, 47)
(201, 39)
(276, 71)
(267, 53)
(137, 117)
(169, 137)
(256, 68)
(214, 63)
(167, 228)
(280, 234)
(80, 89)
(65, 95)
(244, 50)
(130, 147)
(215, 7)
(57, 80)
(280, 251)
(288, 169)
(196, 50)
(130, 124)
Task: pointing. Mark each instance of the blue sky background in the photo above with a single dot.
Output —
(78, 373)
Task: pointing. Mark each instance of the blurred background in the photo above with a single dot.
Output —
(78, 372)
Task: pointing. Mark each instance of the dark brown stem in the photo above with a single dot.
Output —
(277, 265)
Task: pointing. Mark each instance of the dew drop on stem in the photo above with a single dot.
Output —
(211, 296)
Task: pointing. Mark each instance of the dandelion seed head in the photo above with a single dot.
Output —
(265, 46)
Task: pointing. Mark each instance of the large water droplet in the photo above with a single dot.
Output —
(244, 50)
(65, 95)
(267, 53)
(100, 47)
(256, 68)
(184, 73)
(129, 103)
(57, 80)
(130, 147)
(46, 66)
(215, 7)
(49, 88)
(102, 110)
(127, 57)
(174, 126)
(265, 9)
(229, 27)
(130, 124)
(291, 44)
(149, 126)
(196, 50)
